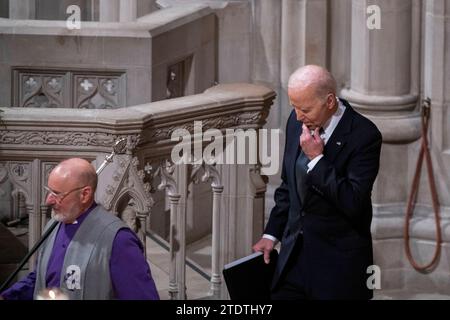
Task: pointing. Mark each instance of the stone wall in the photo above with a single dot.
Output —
(105, 64)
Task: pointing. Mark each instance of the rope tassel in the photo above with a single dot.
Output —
(424, 151)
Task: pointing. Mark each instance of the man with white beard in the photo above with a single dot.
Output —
(91, 254)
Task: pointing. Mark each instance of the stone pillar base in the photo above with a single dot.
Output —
(380, 104)
(392, 115)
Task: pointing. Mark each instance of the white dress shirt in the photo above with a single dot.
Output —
(328, 128)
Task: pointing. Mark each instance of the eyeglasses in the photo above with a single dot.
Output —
(59, 196)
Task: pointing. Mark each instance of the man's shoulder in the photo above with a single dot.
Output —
(102, 209)
(109, 223)
(369, 127)
(362, 122)
(292, 121)
(106, 217)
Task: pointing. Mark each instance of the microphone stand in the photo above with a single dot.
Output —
(118, 148)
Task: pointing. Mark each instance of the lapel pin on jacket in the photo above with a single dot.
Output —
(338, 143)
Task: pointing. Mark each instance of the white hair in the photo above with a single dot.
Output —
(312, 75)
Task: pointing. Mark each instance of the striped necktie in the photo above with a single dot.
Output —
(301, 168)
(301, 171)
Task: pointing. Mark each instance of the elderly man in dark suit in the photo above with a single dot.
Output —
(323, 208)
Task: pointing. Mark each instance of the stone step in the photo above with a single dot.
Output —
(197, 286)
(408, 295)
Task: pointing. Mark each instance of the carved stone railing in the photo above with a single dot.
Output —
(33, 140)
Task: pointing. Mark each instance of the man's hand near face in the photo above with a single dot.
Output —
(312, 145)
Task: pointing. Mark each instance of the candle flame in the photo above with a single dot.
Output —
(52, 295)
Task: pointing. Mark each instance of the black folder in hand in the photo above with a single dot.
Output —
(250, 278)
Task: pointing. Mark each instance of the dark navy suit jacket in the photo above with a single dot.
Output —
(334, 220)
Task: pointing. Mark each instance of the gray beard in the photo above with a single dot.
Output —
(57, 216)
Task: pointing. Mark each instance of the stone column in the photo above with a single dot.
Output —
(384, 84)
(142, 232)
(109, 10)
(173, 280)
(303, 35)
(266, 51)
(34, 208)
(303, 41)
(128, 10)
(339, 51)
(211, 173)
(216, 281)
(381, 70)
(181, 175)
(266, 68)
(22, 9)
(437, 81)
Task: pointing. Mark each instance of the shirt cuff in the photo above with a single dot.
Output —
(313, 162)
(268, 236)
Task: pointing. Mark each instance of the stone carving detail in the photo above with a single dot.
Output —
(19, 174)
(89, 89)
(19, 171)
(132, 142)
(128, 180)
(243, 118)
(64, 138)
(41, 91)
(96, 92)
(204, 172)
(165, 171)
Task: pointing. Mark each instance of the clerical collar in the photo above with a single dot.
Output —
(84, 214)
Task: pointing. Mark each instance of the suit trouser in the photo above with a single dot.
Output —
(292, 284)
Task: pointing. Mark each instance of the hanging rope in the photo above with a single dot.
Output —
(424, 151)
